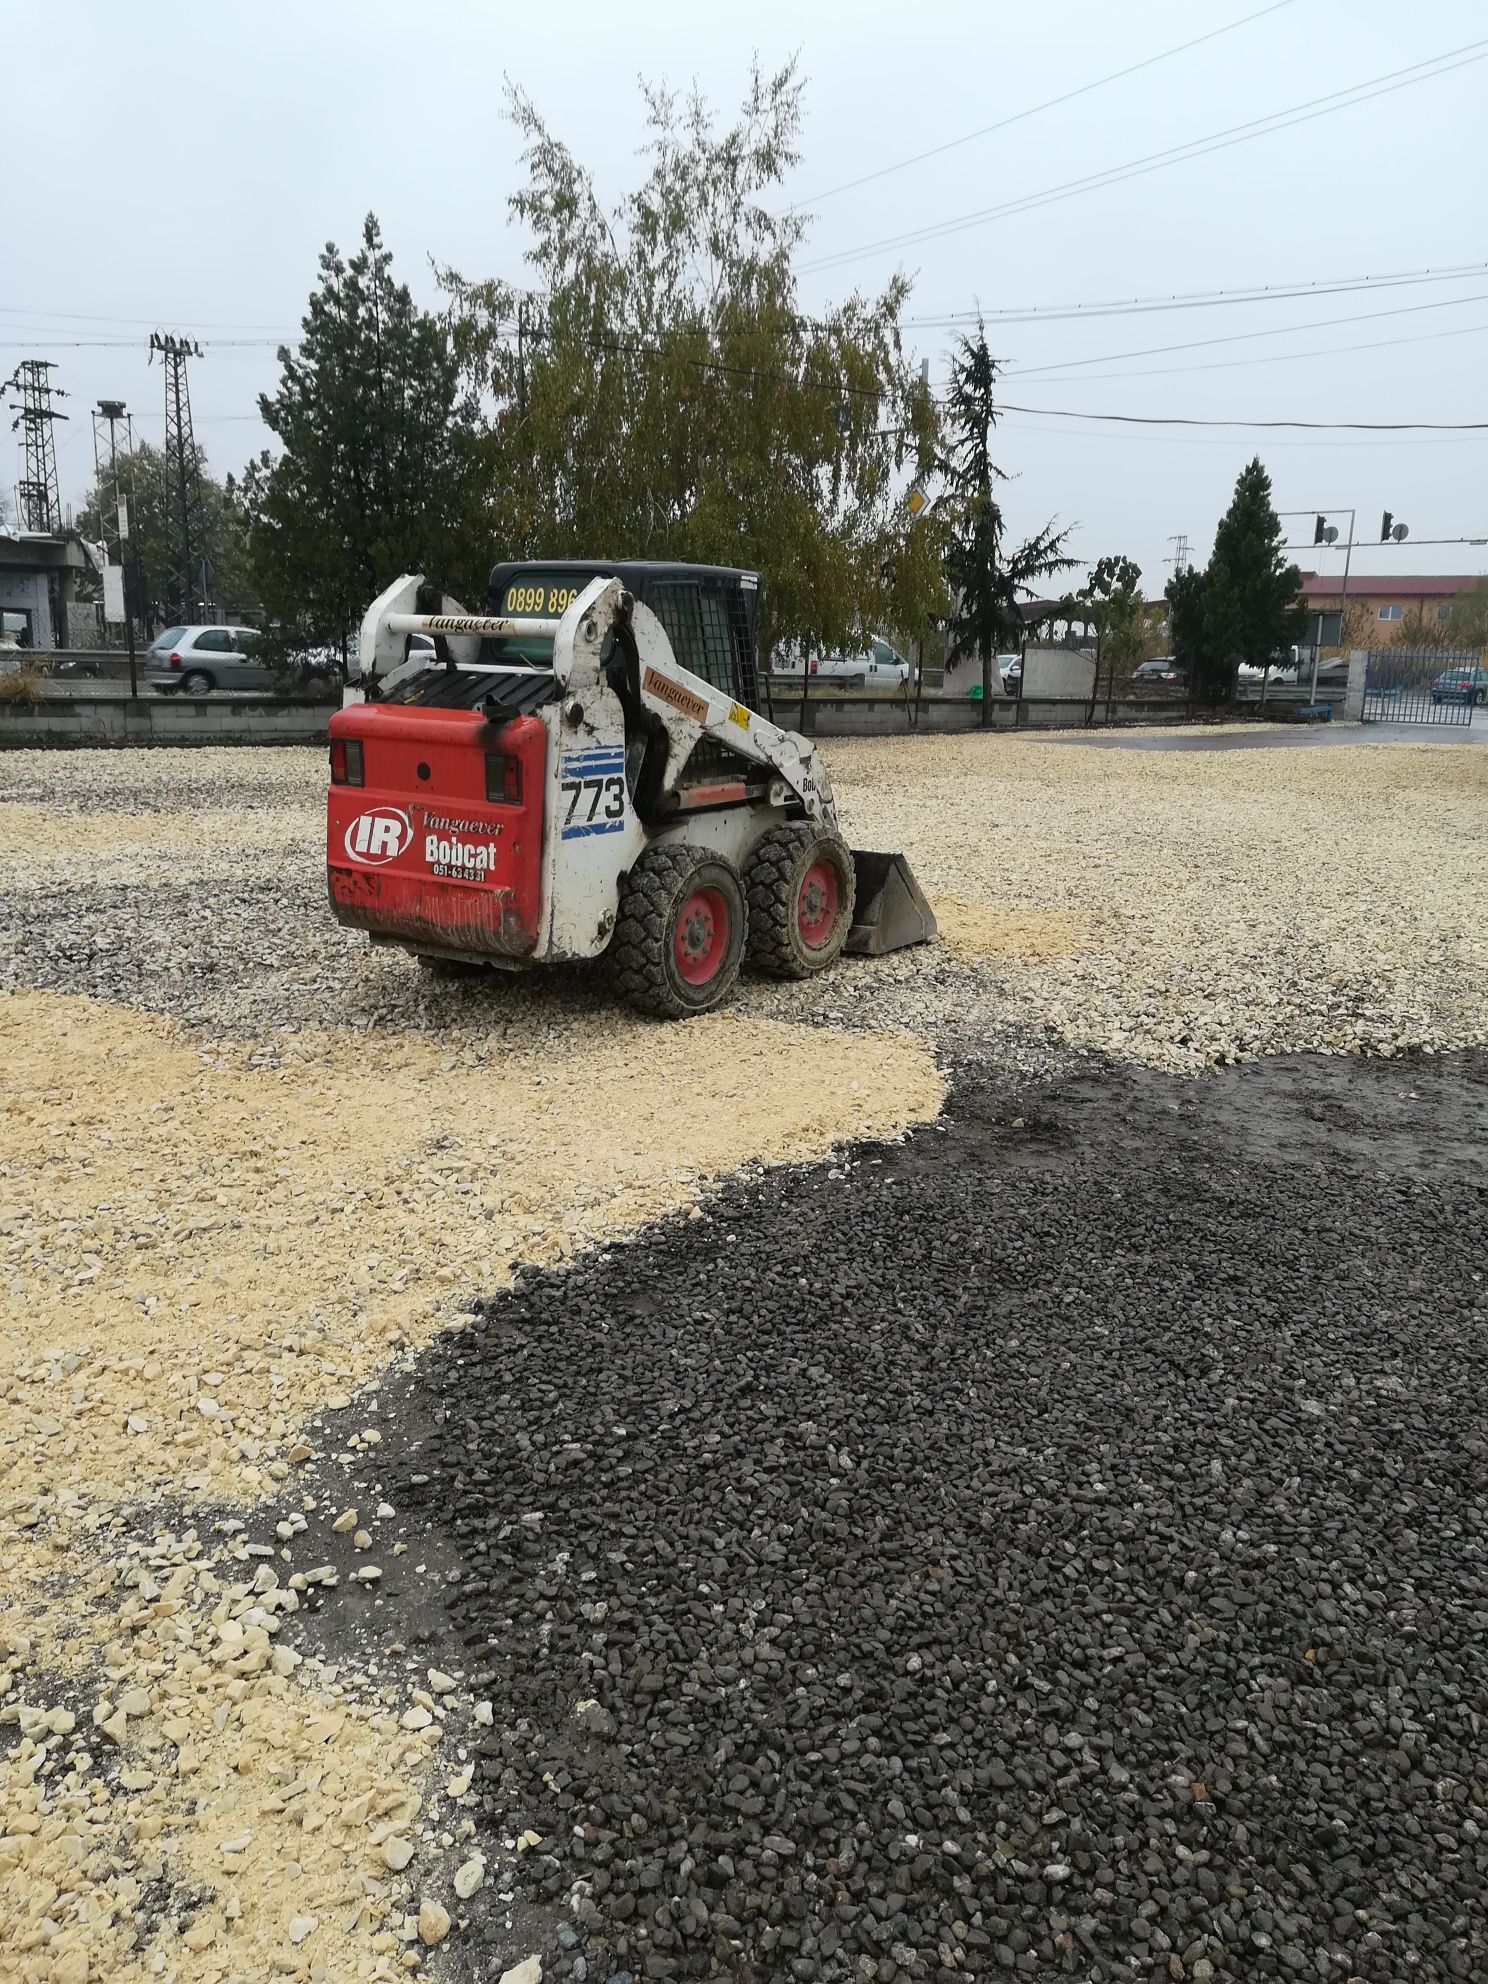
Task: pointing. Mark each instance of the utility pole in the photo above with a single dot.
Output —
(185, 468)
(40, 503)
(1181, 559)
(115, 528)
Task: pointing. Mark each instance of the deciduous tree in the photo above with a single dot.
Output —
(1466, 625)
(149, 477)
(662, 393)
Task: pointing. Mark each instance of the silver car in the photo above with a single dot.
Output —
(196, 660)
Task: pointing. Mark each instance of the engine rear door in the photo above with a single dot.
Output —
(434, 825)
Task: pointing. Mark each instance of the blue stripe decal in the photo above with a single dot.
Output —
(592, 827)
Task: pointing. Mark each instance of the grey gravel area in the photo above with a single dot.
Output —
(164, 779)
(1054, 1547)
(256, 955)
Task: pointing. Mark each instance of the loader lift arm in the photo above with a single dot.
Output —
(667, 699)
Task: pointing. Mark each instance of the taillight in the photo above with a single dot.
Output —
(175, 661)
(346, 761)
(503, 779)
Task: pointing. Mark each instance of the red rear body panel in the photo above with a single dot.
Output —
(417, 852)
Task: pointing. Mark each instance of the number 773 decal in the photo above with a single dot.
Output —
(591, 791)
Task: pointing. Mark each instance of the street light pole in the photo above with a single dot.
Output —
(113, 411)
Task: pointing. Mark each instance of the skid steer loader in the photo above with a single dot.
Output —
(581, 771)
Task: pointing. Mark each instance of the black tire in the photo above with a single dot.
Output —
(775, 876)
(1481, 697)
(197, 682)
(646, 952)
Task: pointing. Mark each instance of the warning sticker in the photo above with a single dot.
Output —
(739, 715)
(667, 691)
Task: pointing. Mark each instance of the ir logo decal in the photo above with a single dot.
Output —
(378, 836)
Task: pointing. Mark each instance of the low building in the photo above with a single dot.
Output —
(39, 572)
(1382, 602)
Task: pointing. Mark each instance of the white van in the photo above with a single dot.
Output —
(878, 666)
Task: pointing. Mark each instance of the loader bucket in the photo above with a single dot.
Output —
(891, 912)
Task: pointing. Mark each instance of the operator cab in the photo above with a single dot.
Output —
(707, 611)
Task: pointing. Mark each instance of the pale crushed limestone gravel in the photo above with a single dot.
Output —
(217, 1221)
(206, 1237)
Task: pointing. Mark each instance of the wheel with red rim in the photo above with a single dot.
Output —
(680, 934)
(800, 884)
(818, 902)
(701, 935)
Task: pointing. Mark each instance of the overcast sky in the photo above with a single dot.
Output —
(182, 165)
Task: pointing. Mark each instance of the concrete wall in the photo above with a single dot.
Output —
(26, 592)
(163, 720)
(1057, 672)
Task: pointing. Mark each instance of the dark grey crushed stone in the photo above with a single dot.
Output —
(1053, 1552)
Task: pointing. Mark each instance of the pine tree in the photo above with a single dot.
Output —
(374, 434)
(1188, 597)
(985, 582)
(1253, 607)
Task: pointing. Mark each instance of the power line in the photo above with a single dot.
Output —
(1154, 440)
(1273, 357)
(95, 317)
(131, 344)
(1235, 134)
(1244, 337)
(1321, 426)
(1035, 110)
(1196, 299)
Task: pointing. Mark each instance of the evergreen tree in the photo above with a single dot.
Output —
(664, 394)
(374, 434)
(1187, 597)
(1253, 607)
(985, 581)
(1246, 607)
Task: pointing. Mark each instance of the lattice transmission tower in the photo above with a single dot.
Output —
(186, 578)
(40, 502)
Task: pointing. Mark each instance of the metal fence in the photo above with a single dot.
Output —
(1424, 685)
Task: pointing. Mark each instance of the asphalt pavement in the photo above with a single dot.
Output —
(1284, 736)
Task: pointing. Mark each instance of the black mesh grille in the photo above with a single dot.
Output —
(708, 627)
(513, 694)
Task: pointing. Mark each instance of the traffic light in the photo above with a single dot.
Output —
(1318, 530)
(1385, 522)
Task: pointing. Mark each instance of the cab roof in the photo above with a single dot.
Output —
(637, 571)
